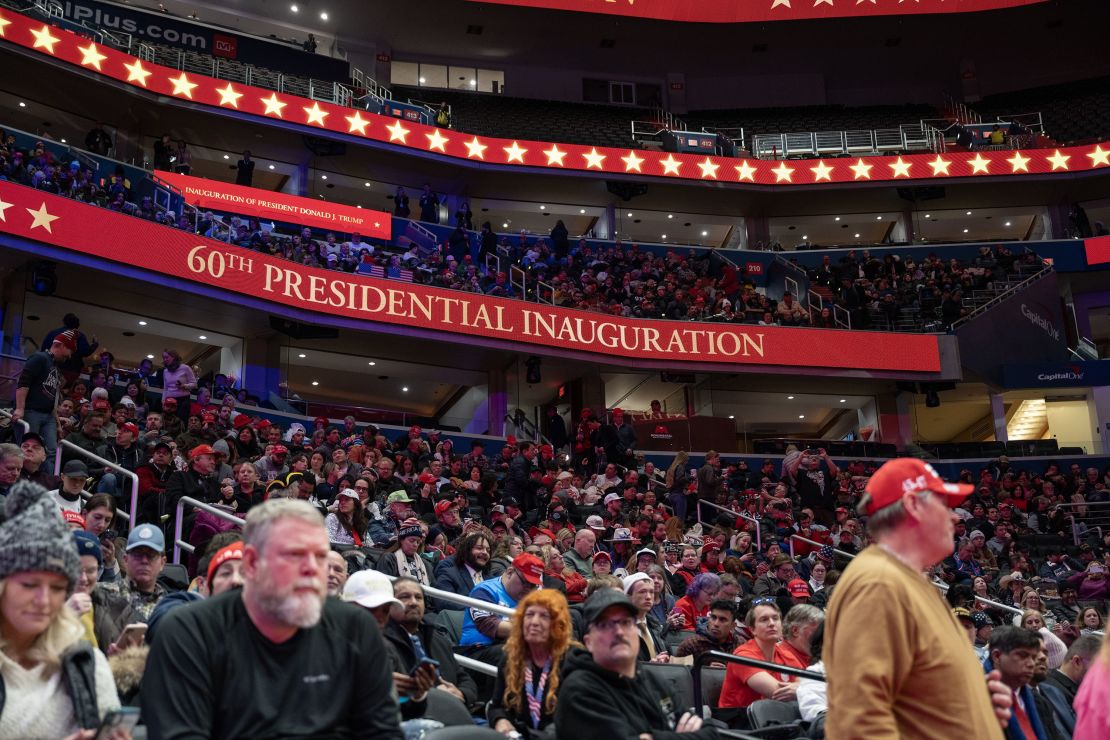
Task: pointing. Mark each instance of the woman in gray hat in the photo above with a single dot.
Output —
(42, 654)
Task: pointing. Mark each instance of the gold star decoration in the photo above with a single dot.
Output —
(44, 39)
(980, 164)
(594, 159)
(1019, 163)
(41, 218)
(632, 162)
(136, 73)
(745, 171)
(555, 156)
(438, 141)
(273, 105)
(357, 123)
(182, 86)
(229, 95)
(515, 153)
(1059, 161)
(708, 169)
(822, 172)
(862, 170)
(4, 22)
(777, 3)
(397, 132)
(315, 114)
(1099, 157)
(476, 149)
(783, 173)
(940, 166)
(91, 56)
(3, 207)
(670, 165)
(900, 168)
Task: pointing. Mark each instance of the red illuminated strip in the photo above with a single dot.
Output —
(34, 215)
(68, 47)
(747, 11)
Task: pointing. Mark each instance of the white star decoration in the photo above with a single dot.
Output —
(3, 207)
(1059, 161)
(437, 141)
(980, 164)
(632, 162)
(900, 168)
(777, 3)
(3, 23)
(745, 171)
(822, 172)
(273, 105)
(41, 218)
(357, 123)
(708, 168)
(315, 114)
(229, 95)
(182, 86)
(670, 165)
(44, 39)
(1018, 162)
(476, 149)
(397, 132)
(862, 170)
(1099, 157)
(940, 166)
(555, 157)
(515, 153)
(783, 173)
(91, 56)
(594, 160)
(136, 73)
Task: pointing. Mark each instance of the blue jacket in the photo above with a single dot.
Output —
(1013, 730)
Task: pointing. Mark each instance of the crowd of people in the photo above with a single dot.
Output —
(594, 564)
(618, 279)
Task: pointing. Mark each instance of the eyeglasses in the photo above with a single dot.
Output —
(609, 625)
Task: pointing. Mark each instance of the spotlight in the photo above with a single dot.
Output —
(932, 399)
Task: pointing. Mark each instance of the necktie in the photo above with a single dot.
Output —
(645, 635)
(1023, 719)
(477, 577)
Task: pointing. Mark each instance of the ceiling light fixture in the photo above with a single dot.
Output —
(705, 233)
(543, 208)
(271, 167)
(731, 416)
(323, 177)
(664, 236)
(227, 156)
(324, 16)
(878, 218)
(837, 218)
(581, 210)
(844, 400)
(857, 236)
(22, 104)
(670, 215)
(294, 8)
(969, 213)
(405, 389)
(1008, 223)
(422, 80)
(630, 215)
(203, 337)
(928, 216)
(371, 363)
(316, 382)
(142, 323)
(801, 416)
(504, 226)
(790, 398)
(150, 357)
(805, 236)
(965, 231)
(302, 355)
(365, 184)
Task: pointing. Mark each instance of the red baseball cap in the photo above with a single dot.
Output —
(529, 567)
(129, 427)
(798, 588)
(320, 420)
(209, 419)
(73, 517)
(427, 478)
(264, 423)
(101, 404)
(279, 450)
(201, 450)
(444, 506)
(234, 551)
(905, 475)
(242, 420)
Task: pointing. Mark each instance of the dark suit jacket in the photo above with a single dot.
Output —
(1058, 679)
(435, 645)
(457, 580)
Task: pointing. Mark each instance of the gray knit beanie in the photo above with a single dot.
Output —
(33, 535)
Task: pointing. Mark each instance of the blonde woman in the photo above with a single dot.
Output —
(42, 652)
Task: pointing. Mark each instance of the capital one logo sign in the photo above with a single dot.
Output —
(1038, 320)
(1072, 373)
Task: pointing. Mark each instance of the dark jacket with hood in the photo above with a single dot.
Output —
(595, 702)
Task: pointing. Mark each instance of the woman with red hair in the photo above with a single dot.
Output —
(525, 693)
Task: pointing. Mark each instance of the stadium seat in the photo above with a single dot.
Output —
(674, 639)
(775, 719)
(678, 677)
(174, 577)
(464, 733)
(449, 623)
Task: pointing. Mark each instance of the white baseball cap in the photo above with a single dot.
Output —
(369, 588)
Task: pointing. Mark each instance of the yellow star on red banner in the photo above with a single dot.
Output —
(632, 162)
(745, 171)
(3, 23)
(91, 56)
(594, 159)
(437, 141)
(315, 114)
(940, 166)
(783, 173)
(1059, 161)
(900, 168)
(476, 149)
(229, 95)
(1099, 157)
(273, 105)
(44, 39)
(182, 86)
(3, 207)
(136, 73)
(397, 132)
(515, 153)
(980, 164)
(709, 169)
(41, 218)
(822, 172)
(862, 170)
(1019, 163)
(357, 123)
(555, 156)
(670, 165)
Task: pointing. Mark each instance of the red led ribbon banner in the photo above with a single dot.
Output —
(34, 215)
(279, 206)
(267, 104)
(741, 11)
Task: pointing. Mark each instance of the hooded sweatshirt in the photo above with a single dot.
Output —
(595, 702)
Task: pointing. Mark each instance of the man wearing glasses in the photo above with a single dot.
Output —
(484, 632)
(604, 695)
(898, 662)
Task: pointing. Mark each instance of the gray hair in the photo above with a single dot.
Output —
(887, 518)
(9, 450)
(801, 615)
(261, 519)
(1085, 647)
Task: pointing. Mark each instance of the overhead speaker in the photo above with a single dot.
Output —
(913, 195)
(324, 147)
(625, 190)
(297, 330)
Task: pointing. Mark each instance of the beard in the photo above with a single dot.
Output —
(288, 605)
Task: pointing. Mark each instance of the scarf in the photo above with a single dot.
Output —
(535, 696)
(414, 568)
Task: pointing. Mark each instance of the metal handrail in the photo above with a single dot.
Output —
(717, 655)
(1013, 290)
(819, 544)
(476, 665)
(8, 415)
(451, 596)
(106, 463)
(86, 495)
(730, 512)
(179, 543)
